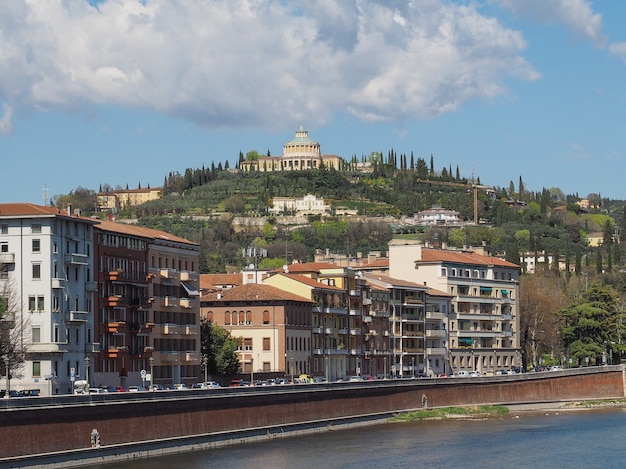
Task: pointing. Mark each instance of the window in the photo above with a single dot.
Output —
(247, 344)
(35, 228)
(266, 317)
(40, 303)
(31, 303)
(36, 333)
(4, 246)
(36, 245)
(4, 229)
(266, 344)
(36, 369)
(36, 271)
(4, 271)
(55, 304)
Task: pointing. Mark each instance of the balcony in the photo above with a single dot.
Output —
(168, 273)
(170, 329)
(43, 347)
(90, 286)
(435, 315)
(185, 302)
(58, 283)
(192, 356)
(438, 333)
(115, 300)
(355, 331)
(95, 347)
(187, 276)
(342, 331)
(115, 275)
(168, 357)
(116, 326)
(112, 352)
(77, 259)
(170, 301)
(436, 351)
(77, 316)
(318, 330)
(7, 258)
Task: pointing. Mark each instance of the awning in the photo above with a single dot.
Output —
(505, 292)
(485, 288)
(190, 289)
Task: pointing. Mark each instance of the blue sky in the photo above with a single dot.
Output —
(123, 92)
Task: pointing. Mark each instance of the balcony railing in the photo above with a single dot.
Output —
(435, 333)
(58, 283)
(435, 315)
(440, 351)
(77, 259)
(7, 258)
(77, 316)
(168, 273)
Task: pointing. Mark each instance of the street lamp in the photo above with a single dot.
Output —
(326, 366)
(251, 371)
(87, 360)
(205, 361)
(6, 370)
(495, 361)
(151, 361)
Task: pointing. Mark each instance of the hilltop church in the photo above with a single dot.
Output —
(299, 154)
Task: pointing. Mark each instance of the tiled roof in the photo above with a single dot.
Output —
(380, 262)
(220, 279)
(252, 292)
(311, 282)
(394, 282)
(26, 209)
(308, 267)
(463, 257)
(140, 231)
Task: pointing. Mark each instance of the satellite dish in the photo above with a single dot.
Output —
(286, 268)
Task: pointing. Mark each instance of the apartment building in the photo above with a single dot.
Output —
(274, 327)
(148, 306)
(46, 258)
(417, 327)
(484, 324)
(121, 199)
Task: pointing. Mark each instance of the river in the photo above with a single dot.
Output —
(550, 439)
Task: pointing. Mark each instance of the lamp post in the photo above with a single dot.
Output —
(291, 369)
(151, 361)
(87, 360)
(326, 367)
(205, 362)
(495, 361)
(251, 371)
(6, 370)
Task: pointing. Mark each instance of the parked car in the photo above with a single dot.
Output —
(180, 387)
(97, 391)
(158, 387)
(212, 385)
(136, 389)
(237, 382)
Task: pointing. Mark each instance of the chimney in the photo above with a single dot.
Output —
(69, 210)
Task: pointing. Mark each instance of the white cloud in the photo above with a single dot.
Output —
(576, 15)
(221, 63)
(6, 122)
(618, 49)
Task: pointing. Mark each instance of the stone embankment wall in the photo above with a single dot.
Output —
(64, 424)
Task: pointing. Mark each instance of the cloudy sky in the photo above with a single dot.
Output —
(124, 92)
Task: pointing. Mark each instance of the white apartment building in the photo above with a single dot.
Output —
(484, 324)
(302, 205)
(46, 266)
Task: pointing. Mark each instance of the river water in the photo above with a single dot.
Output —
(550, 439)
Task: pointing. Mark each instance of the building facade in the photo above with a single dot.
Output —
(484, 324)
(47, 275)
(274, 327)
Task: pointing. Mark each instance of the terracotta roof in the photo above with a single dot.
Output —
(220, 280)
(463, 257)
(394, 282)
(380, 262)
(252, 292)
(307, 267)
(26, 209)
(140, 231)
(311, 282)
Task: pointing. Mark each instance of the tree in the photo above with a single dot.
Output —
(540, 299)
(219, 348)
(12, 330)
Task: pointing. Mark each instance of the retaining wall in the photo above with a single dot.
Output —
(32, 426)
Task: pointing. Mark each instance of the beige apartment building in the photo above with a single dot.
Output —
(484, 323)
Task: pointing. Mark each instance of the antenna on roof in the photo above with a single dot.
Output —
(45, 195)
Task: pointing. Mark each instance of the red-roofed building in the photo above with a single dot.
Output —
(148, 306)
(484, 326)
(274, 327)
